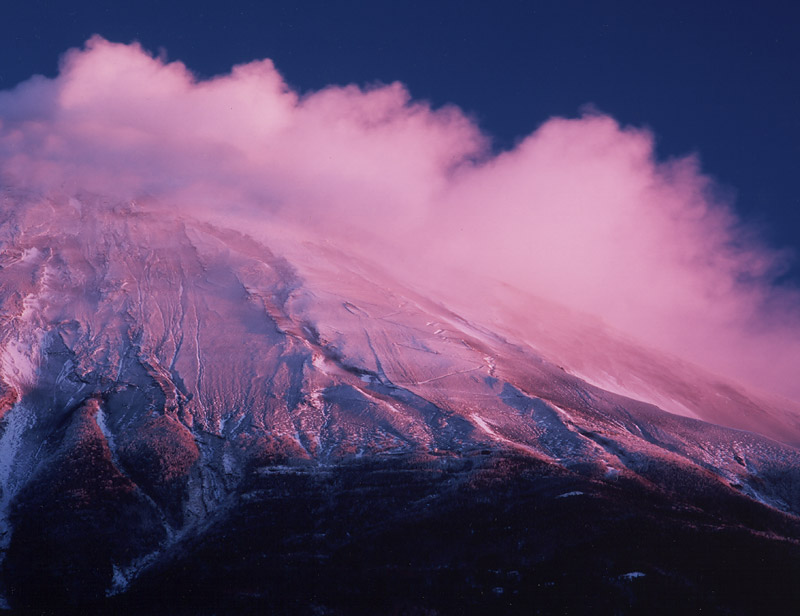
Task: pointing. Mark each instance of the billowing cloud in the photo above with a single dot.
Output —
(580, 212)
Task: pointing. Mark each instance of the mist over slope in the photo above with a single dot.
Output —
(328, 352)
(580, 212)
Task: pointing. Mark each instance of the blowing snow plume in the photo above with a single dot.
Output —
(580, 212)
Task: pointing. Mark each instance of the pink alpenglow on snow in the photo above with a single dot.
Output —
(580, 212)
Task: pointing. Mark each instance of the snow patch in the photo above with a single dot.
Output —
(638, 390)
(228, 463)
(17, 421)
(100, 419)
(17, 361)
(484, 425)
(122, 576)
(30, 255)
(118, 582)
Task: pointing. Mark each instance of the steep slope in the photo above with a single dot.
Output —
(159, 373)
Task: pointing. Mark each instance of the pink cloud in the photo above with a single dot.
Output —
(580, 212)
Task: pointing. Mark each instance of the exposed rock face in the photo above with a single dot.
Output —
(163, 378)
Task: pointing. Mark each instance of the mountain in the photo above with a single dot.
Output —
(197, 419)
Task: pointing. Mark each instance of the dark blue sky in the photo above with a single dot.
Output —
(718, 78)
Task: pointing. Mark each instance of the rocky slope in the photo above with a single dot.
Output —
(185, 402)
